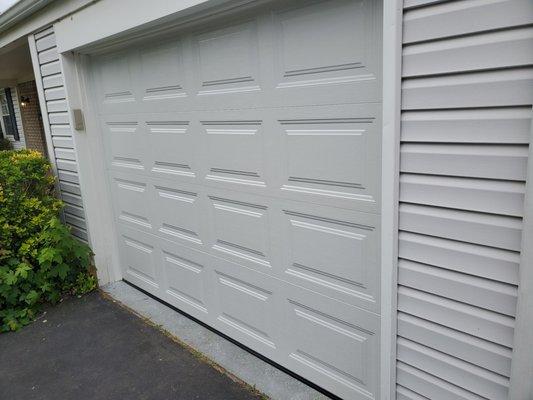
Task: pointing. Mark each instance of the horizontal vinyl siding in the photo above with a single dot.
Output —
(61, 132)
(467, 93)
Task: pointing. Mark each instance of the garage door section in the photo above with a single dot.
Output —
(243, 159)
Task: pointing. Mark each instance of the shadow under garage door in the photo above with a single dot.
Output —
(243, 159)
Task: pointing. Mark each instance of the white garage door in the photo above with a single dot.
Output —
(243, 156)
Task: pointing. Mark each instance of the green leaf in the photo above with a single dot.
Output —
(40, 260)
(32, 297)
(22, 270)
(10, 278)
(62, 270)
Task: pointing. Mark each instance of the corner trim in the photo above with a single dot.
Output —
(521, 387)
(390, 176)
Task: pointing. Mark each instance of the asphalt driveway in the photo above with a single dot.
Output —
(91, 348)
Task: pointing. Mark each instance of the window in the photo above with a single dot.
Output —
(8, 114)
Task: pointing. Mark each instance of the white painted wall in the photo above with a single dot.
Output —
(79, 30)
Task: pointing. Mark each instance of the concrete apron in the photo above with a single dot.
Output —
(267, 379)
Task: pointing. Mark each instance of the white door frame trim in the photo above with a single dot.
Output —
(96, 195)
(390, 175)
(521, 386)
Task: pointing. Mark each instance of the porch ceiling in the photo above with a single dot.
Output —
(15, 63)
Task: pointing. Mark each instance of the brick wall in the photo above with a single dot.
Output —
(31, 117)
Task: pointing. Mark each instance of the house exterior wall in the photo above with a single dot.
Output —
(50, 82)
(467, 92)
(466, 125)
(31, 117)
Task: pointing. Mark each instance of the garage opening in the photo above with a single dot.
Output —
(244, 168)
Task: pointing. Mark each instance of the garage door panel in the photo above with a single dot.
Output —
(132, 195)
(164, 78)
(138, 255)
(125, 143)
(330, 155)
(171, 146)
(178, 210)
(116, 74)
(240, 226)
(333, 344)
(234, 150)
(343, 71)
(227, 59)
(185, 279)
(331, 251)
(247, 306)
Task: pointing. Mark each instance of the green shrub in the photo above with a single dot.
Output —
(5, 144)
(40, 260)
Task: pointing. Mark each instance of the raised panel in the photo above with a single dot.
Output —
(125, 144)
(335, 344)
(240, 231)
(116, 81)
(228, 59)
(235, 152)
(185, 280)
(177, 212)
(245, 307)
(330, 155)
(137, 259)
(162, 73)
(132, 201)
(302, 31)
(334, 253)
(171, 148)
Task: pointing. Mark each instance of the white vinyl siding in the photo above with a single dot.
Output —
(467, 92)
(61, 132)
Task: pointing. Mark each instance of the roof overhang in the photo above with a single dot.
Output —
(20, 10)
